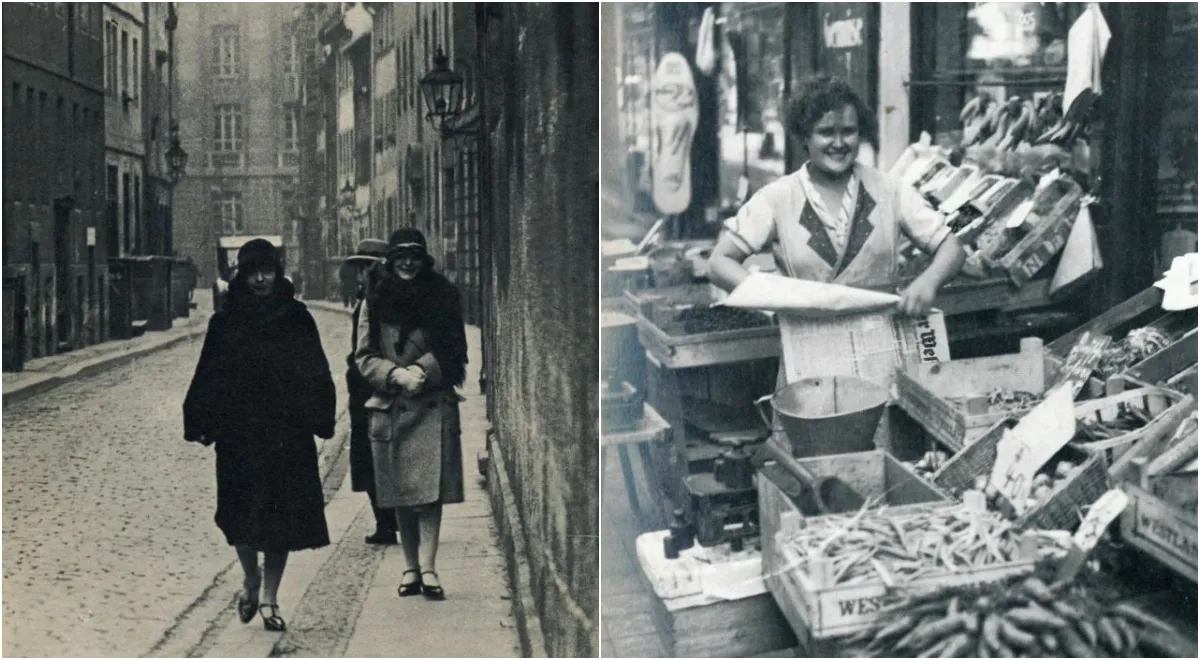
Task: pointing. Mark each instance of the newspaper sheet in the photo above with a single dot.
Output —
(871, 346)
(835, 330)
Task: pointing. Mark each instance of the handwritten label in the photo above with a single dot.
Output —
(1099, 517)
(1085, 355)
(1025, 448)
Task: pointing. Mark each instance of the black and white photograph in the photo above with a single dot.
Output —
(301, 329)
(898, 329)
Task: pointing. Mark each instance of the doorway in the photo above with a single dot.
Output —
(64, 305)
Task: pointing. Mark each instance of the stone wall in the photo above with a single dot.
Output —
(540, 78)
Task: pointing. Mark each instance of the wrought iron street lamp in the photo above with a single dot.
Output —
(442, 89)
(177, 160)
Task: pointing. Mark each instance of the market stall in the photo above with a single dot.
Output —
(1014, 475)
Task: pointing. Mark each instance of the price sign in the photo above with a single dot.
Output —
(1083, 359)
(1025, 448)
(1099, 517)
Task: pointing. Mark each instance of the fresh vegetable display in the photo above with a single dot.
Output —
(1129, 419)
(1002, 399)
(896, 548)
(1137, 345)
(929, 464)
(1028, 617)
(1049, 478)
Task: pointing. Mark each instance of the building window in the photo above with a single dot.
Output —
(225, 38)
(229, 210)
(291, 128)
(110, 58)
(227, 128)
(137, 79)
(290, 54)
(124, 62)
(16, 95)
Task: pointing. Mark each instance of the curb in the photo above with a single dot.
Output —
(508, 520)
(98, 365)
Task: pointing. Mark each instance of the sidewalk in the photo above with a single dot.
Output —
(44, 373)
(340, 601)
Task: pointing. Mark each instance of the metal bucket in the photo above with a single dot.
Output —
(827, 415)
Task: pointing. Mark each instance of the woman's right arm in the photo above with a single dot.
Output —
(369, 359)
(750, 230)
(725, 267)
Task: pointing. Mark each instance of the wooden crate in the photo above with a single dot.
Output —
(1160, 529)
(925, 390)
(711, 602)
(818, 612)
(700, 350)
(1049, 236)
(1164, 407)
(1058, 511)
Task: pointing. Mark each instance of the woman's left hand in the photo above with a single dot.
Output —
(917, 299)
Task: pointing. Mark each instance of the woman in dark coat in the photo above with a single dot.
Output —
(261, 391)
(412, 349)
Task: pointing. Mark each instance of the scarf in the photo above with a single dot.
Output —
(430, 303)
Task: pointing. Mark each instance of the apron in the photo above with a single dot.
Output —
(803, 249)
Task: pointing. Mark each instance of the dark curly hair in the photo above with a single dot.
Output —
(826, 94)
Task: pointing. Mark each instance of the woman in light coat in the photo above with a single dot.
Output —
(412, 349)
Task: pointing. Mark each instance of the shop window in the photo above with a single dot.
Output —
(1177, 151)
(999, 49)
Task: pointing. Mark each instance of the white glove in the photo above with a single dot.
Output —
(408, 379)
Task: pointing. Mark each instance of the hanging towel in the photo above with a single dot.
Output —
(706, 47)
(1086, 44)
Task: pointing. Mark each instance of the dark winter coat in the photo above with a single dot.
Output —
(362, 473)
(261, 391)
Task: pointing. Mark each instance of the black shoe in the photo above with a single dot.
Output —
(274, 622)
(410, 588)
(381, 538)
(433, 593)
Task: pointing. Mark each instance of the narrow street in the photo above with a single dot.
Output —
(110, 548)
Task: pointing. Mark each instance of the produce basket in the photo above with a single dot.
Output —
(816, 602)
(950, 399)
(1162, 408)
(1060, 510)
(680, 328)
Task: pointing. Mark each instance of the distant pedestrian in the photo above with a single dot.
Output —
(412, 349)
(370, 254)
(348, 279)
(261, 391)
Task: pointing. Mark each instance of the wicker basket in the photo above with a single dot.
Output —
(1061, 510)
(1164, 408)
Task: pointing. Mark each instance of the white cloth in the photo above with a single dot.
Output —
(1086, 43)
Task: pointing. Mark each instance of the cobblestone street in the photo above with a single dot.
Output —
(108, 532)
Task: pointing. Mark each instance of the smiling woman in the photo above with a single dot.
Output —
(833, 219)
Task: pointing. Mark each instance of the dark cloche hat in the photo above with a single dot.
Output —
(408, 238)
(257, 253)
